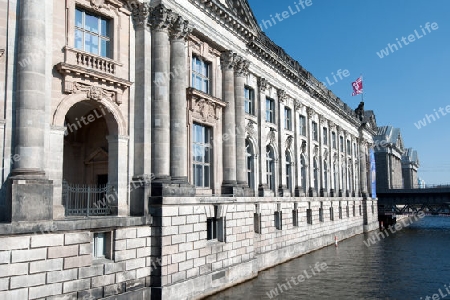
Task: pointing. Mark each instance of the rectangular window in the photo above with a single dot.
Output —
(216, 227)
(340, 212)
(295, 217)
(321, 212)
(331, 214)
(347, 211)
(314, 131)
(309, 216)
(302, 126)
(201, 156)
(270, 110)
(287, 119)
(341, 144)
(102, 245)
(257, 222)
(249, 101)
(349, 148)
(355, 150)
(92, 33)
(354, 209)
(201, 75)
(279, 220)
(325, 135)
(333, 139)
(360, 210)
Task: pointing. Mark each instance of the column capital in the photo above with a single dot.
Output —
(140, 13)
(180, 29)
(262, 84)
(161, 18)
(228, 60)
(241, 68)
(281, 95)
(297, 104)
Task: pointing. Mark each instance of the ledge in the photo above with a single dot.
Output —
(71, 224)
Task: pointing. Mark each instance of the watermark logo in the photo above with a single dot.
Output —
(290, 11)
(302, 277)
(405, 41)
(393, 229)
(340, 75)
(432, 117)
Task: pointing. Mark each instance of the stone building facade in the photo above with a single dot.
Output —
(166, 149)
(396, 165)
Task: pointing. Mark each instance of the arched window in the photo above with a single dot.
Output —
(270, 167)
(250, 155)
(288, 170)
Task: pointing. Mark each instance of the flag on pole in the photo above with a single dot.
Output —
(357, 86)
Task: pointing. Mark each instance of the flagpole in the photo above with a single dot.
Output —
(362, 94)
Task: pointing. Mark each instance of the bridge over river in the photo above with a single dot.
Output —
(433, 199)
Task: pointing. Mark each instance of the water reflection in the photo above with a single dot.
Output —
(410, 264)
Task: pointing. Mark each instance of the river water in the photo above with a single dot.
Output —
(412, 263)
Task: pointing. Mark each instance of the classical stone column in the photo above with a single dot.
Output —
(160, 20)
(310, 113)
(178, 104)
(228, 62)
(241, 71)
(322, 191)
(296, 154)
(142, 111)
(281, 170)
(31, 200)
(363, 167)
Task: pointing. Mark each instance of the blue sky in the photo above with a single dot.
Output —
(403, 87)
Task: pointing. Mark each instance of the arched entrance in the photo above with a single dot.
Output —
(90, 152)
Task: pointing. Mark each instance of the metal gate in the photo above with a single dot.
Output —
(87, 200)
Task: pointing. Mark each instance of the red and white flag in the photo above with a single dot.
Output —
(357, 87)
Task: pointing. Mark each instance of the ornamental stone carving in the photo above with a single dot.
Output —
(98, 4)
(228, 60)
(241, 67)
(297, 104)
(250, 128)
(180, 29)
(310, 112)
(94, 93)
(161, 18)
(271, 137)
(303, 146)
(282, 95)
(289, 141)
(207, 110)
(140, 13)
(262, 84)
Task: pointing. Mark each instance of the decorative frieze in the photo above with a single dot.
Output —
(204, 107)
(297, 104)
(95, 93)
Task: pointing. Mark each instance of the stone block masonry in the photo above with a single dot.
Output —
(63, 265)
(210, 243)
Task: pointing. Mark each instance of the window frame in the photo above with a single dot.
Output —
(287, 118)
(314, 133)
(206, 146)
(249, 94)
(325, 135)
(333, 140)
(270, 110)
(108, 38)
(197, 74)
(302, 125)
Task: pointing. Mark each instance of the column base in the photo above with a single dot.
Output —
(340, 193)
(299, 191)
(140, 192)
(264, 191)
(312, 192)
(59, 212)
(29, 196)
(332, 193)
(323, 193)
(231, 189)
(168, 189)
(283, 191)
